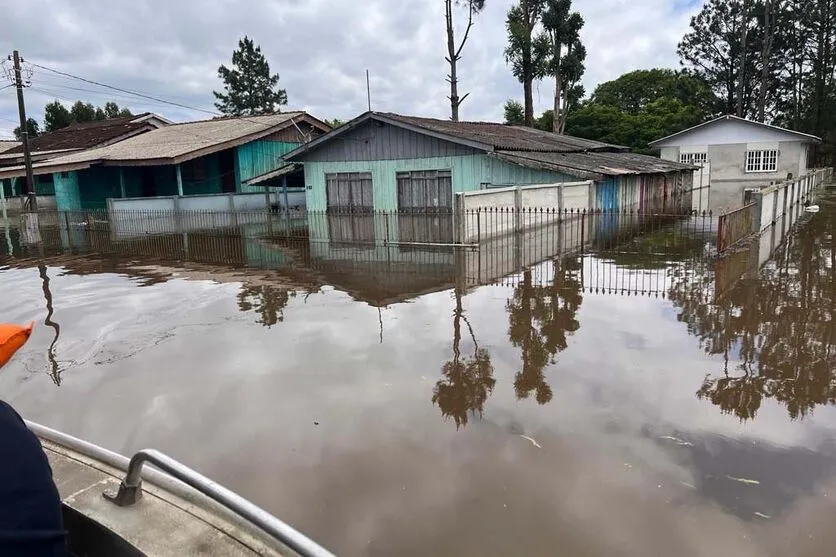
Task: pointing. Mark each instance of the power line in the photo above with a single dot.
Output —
(128, 91)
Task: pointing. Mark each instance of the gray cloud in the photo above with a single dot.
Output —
(321, 48)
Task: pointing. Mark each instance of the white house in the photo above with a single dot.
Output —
(737, 154)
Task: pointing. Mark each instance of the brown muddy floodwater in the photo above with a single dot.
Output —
(632, 402)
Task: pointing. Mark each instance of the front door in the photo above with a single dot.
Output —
(226, 166)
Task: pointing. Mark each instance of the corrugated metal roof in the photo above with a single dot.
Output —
(178, 140)
(86, 135)
(175, 143)
(278, 173)
(593, 165)
(7, 145)
(505, 137)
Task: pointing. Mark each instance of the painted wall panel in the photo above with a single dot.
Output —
(726, 132)
(67, 194)
(469, 173)
(377, 141)
(259, 157)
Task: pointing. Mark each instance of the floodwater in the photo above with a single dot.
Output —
(643, 400)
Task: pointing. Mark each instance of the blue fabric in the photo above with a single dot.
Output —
(30, 508)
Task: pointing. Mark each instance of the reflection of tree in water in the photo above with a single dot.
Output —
(540, 319)
(466, 384)
(779, 327)
(267, 301)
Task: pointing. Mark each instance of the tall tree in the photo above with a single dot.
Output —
(31, 127)
(249, 87)
(768, 16)
(742, 66)
(566, 58)
(56, 116)
(83, 112)
(526, 52)
(454, 51)
(712, 50)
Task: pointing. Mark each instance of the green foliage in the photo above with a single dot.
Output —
(642, 106)
(514, 113)
(31, 127)
(249, 87)
(56, 116)
(634, 91)
(335, 123)
(85, 112)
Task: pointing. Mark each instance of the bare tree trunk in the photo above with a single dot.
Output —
(528, 90)
(451, 59)
(766, 56)
(454, 54)
(741, 72)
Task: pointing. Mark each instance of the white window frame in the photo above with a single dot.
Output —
(761, 160)
(695, 159)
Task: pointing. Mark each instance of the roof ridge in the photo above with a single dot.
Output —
(247, 117)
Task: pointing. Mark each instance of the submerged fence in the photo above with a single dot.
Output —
(735, 226)
(777, 205)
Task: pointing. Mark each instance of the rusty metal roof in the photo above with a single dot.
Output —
(505, 137)
(86, 135)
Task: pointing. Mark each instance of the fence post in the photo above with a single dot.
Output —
(458, 218)
(479, 228)
(757, 212)
(775, 206)
(591, 203)
(518, 209)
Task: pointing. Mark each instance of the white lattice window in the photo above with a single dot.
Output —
(765, 160)
(696, 159)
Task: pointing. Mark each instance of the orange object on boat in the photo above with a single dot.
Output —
(12, 337)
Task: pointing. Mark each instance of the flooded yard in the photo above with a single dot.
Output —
(644, 399)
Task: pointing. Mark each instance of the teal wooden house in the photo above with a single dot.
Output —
(390, 162)
(225, 155)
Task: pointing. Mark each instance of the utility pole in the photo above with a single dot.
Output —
(32, 200)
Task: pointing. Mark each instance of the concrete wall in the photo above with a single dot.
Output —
(729, 177)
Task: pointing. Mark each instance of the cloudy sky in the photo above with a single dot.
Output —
(321, 48)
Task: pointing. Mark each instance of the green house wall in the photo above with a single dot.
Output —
(259, 157)
(469, 173)
(67, 191)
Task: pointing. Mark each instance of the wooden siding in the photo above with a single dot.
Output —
(374, 141)
(469, 173)
(67, 193)
(259, 157)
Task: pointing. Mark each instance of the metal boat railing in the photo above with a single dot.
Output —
(130, 489)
